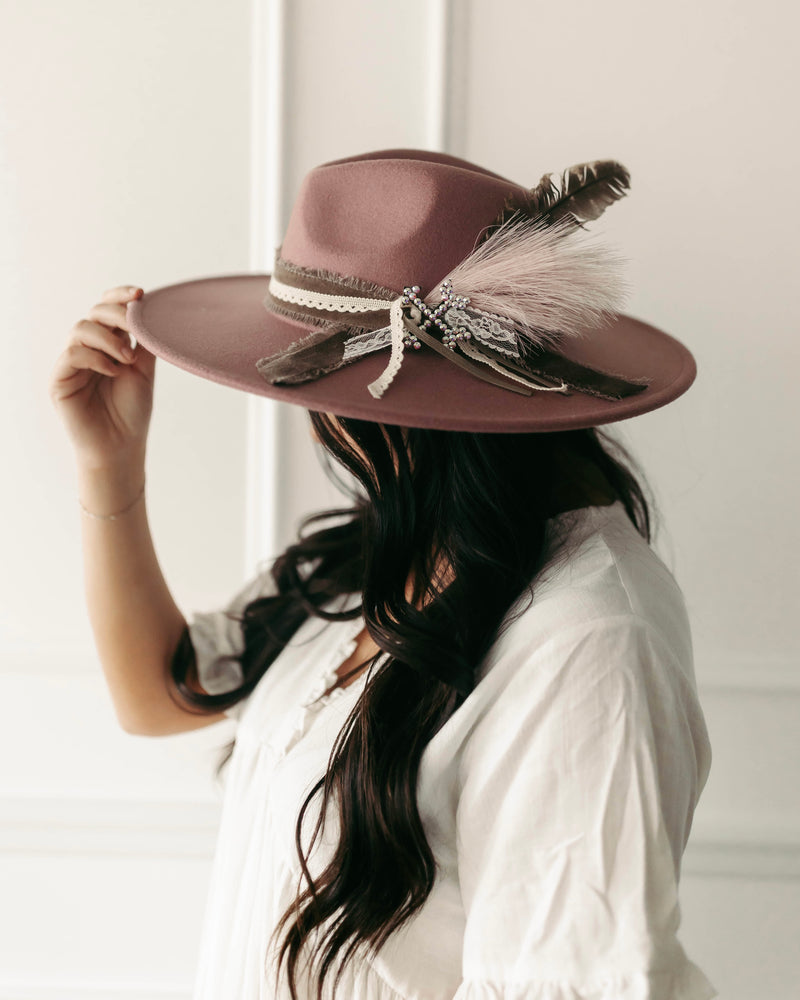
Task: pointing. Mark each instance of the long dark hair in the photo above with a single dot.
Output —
(475, 503)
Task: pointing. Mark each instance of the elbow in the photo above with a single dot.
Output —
(135, 724)
(151, 710)
(150, 717)
(161, 720)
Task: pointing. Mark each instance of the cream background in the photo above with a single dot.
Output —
(155, 141)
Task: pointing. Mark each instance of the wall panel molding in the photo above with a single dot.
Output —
(447, 27)
(768, 857)
(43, 658)
(780, 680)
(106, 827)
(267, 171)
(142, 829)
(71, 990)
(438, 35)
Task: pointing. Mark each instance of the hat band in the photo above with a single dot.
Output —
(409, 317)
(327, 303)
(484, 344)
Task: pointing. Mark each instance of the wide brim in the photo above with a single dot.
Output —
(218, 328)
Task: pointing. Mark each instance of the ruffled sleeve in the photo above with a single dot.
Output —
(578, 789)
(217, 638)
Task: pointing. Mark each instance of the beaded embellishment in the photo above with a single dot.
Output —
(428, 317)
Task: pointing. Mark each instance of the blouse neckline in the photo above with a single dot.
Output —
(321, 693)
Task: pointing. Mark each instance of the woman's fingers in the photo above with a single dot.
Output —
(99, 343)
(113, 314)
(80, 358)
(91, 334)
(122, 293)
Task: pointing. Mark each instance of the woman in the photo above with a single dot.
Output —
(468, 745)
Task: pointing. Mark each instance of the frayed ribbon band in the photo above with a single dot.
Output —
(483, 344)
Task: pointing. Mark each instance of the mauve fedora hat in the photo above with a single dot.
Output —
(418, 289)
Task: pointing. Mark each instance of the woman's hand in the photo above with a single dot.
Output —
(102, 388)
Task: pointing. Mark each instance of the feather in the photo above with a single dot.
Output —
(584, 193)
(581, 194)
(549, 279)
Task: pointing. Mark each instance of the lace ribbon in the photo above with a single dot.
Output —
(485, 344)
(321, 300)
(492, 331)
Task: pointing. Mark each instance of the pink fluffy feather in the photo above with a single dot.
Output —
(549, 280)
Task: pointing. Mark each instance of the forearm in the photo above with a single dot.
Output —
(135, 620)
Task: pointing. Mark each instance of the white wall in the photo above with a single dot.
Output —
(124, 157)
(154, 141)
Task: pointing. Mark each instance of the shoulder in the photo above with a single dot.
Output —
(605, 635)
(606, 587)
(597, 665)
(603, 643)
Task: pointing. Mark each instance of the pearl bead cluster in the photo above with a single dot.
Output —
(433, 317)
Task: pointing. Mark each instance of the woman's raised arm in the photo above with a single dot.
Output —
(103, 391)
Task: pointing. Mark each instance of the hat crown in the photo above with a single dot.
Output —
(398, 218)
(394, 218)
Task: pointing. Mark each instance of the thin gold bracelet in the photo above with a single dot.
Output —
(119, 513)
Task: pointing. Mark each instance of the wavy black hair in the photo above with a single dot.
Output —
(447, 530)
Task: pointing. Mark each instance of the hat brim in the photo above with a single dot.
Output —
(218, 328)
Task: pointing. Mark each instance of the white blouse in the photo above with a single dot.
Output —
(557, 799)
